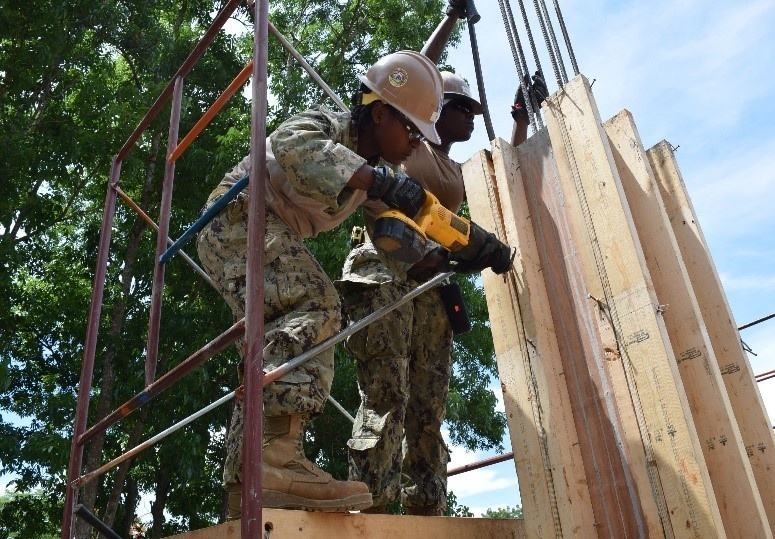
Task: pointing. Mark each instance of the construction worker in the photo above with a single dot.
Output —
(403, 360)
(321, 166)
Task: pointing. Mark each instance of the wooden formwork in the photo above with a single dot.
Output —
(614, 339)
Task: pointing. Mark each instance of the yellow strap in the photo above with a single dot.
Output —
(369, 98)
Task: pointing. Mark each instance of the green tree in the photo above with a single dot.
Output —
(30, 515)
(504, 512)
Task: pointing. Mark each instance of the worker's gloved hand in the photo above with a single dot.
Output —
(457, 7)
(483, 251)
(435, 261)
(397, 190)
(538, 92)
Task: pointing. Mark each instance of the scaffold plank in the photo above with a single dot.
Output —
(286, 524)
(730, 472)
(617, 279)
(739, 379)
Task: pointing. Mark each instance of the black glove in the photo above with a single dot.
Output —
(538, 92)
(457, 7)
(435, 261)
(484, 250)
(397, 190)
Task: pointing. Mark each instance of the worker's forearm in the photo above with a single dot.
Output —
(362, 179)
(435, 45)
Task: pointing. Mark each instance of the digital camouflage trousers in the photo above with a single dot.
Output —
(301, 309)
(403, 370)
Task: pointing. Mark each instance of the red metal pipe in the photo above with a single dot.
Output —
(89, 351)
(252, 453)
(212, 348)
(152, 347)
(200, 48)
(480, 464)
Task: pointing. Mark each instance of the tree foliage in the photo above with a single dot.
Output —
(75, 79)
(504, 512)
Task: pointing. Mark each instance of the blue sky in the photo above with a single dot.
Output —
(698, 74)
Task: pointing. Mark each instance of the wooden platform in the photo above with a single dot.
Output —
(301, 524)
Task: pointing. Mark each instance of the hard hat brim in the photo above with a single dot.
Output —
(476, 107)
(428, 129)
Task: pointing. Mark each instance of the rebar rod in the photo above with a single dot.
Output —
(535, 115)
(759, 321)
(553, 40)
(565, 35)
(519, 63)
(549, 48)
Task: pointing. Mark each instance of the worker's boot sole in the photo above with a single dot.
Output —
(281, 500)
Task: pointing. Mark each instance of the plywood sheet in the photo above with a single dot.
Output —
(617, 279)
(732, 361)
(722, 445)
(517, 365)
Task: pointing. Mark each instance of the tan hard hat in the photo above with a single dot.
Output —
(456, 86)
(411, 83)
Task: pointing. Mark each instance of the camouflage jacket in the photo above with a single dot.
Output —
(309, 159)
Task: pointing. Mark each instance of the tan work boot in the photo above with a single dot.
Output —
(235, 501)
(292, 482)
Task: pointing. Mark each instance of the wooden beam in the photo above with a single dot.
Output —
(732, 361)
(585, 435)
(516, 364)
(304, 525)
(733, 483)
(616, 277)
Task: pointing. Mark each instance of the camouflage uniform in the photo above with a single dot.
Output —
(403, 362)
(310, 158)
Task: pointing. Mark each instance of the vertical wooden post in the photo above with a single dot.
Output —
(722, 445)
(732, 361)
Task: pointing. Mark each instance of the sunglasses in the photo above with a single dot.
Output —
(461, 106)
(411, 129)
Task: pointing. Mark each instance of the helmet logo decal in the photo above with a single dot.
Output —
(398, 77)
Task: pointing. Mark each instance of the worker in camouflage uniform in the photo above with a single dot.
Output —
(321, 166)
(404, 359)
